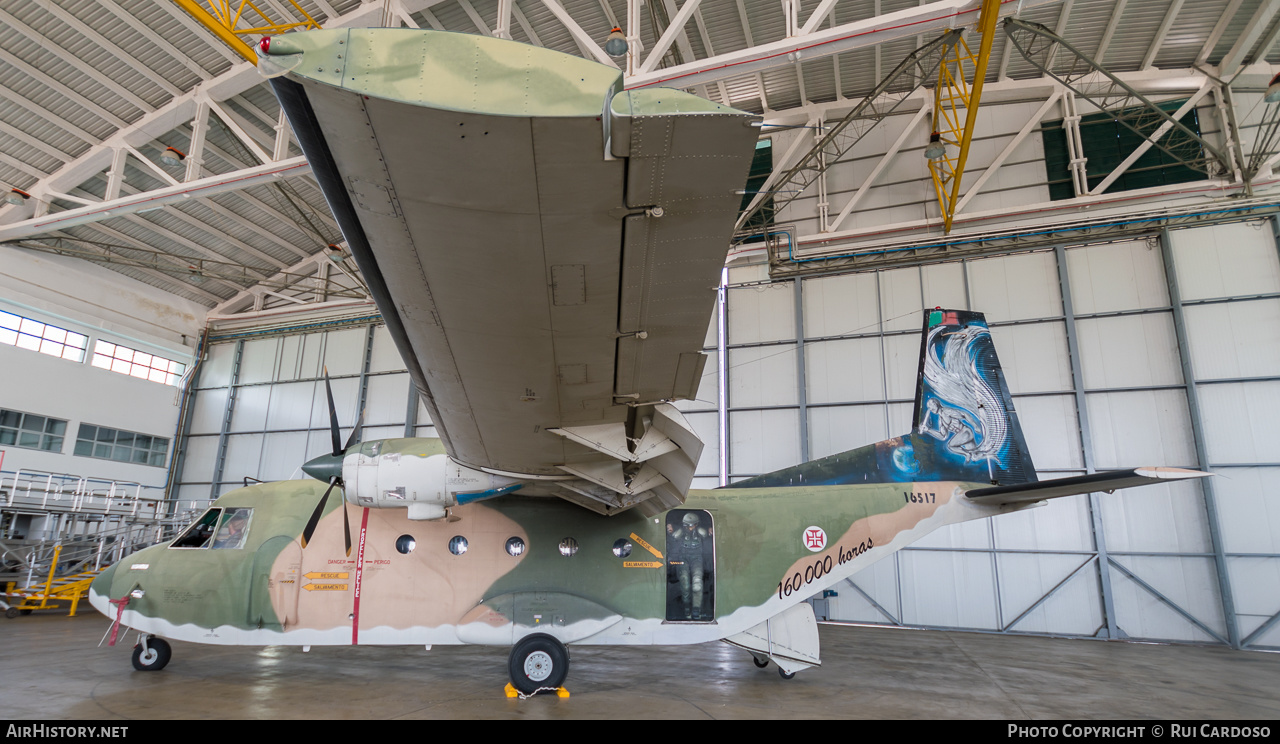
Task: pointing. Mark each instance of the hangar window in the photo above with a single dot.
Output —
(29, 430)
(121, 446)
(26, 333)
(1106, 143)
(761, 167)
(138, 364)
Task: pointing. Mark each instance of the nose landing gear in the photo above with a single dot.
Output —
(151, 654)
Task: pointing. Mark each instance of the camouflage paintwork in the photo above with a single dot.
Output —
(258, 595)
(449, 71)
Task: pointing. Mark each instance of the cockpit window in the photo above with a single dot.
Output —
(233, 528)
(199, 534)
(218, 529)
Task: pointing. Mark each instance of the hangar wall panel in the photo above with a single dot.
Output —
(1139, 564)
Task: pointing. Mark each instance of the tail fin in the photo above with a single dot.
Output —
(964, 429)
(964, 414)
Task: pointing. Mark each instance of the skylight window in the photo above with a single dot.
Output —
(135, 363)
(26, 333)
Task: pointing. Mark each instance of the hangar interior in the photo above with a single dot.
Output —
(166, 323)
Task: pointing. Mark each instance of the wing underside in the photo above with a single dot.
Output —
(544, 246)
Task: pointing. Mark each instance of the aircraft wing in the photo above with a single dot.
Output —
(1051, 489)
(544, 246)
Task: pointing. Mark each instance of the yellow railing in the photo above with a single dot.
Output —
(224, 19)
(952, 94)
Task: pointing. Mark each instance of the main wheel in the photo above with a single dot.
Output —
(759, 662)
(12, 612)
(785, 674)
(538, 662)
(154, 658)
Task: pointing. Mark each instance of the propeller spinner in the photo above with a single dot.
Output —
(328, 468)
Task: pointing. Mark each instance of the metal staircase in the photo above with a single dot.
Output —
(59, 531)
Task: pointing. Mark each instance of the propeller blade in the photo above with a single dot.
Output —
(346, 524)
(310, 529)
(333, 415)
(355, 432)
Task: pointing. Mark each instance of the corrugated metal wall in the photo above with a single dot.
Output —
(1113, 360)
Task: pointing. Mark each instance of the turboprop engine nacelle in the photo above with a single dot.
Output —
(427, 486)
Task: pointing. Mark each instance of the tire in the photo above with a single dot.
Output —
(760, 663)
(538, 662)
(785, 675)
(12, 612)
(156, 657)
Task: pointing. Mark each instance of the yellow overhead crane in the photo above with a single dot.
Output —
(225, 16)
(951, 95)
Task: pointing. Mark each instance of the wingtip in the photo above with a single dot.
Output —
(1171, 473)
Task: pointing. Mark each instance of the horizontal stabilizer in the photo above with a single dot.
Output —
(1109, 481)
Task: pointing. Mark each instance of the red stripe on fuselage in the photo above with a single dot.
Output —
(355, 612)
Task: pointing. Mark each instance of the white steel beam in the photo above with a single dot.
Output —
(909, 22)
(241, 77)
(199, 127)
(816, 18)
(150, 199)
(1114, 23)
(1032, 124)
(585, 42)
(908, 130)
(503, 30)
(1150, 57)
(238, 128)
(476, 20)
(155, 169)
(1219, 28)
(524, 25)
(1155, 136)
(148, 34)
(663, 44)
(1252, 30)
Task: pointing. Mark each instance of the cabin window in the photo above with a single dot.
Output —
(515, 547)
(568, 547)
(622, 548)
(458, 545)
(233, 529)
(199, 534)
(405, 544)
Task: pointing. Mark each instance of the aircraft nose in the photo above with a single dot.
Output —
(324, 467)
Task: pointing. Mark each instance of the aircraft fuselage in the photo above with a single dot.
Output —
(575, 575)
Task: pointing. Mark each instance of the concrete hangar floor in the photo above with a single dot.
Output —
(54, 670)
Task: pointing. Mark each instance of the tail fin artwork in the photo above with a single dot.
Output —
(965, 427)
(964, 417)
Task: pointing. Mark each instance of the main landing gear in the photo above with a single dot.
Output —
(538, 663)
(151, 654)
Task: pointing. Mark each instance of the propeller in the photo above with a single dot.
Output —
(329, 468)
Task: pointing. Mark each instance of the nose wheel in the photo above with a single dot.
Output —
(151, 654)
(538, 662)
